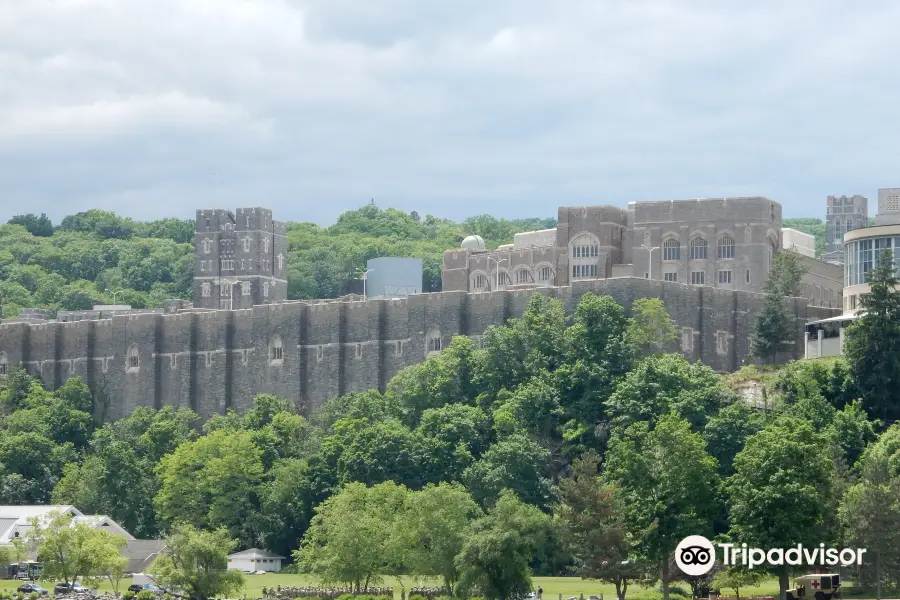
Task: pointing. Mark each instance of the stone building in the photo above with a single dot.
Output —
(222, 351)
(726, 243)
(240, 259)
(843, 214)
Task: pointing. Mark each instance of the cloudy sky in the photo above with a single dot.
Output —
(450, 107)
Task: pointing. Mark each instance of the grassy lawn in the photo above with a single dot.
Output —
(553, 587)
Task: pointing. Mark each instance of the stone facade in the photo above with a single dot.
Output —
(212, 360)
(240, 259)
(843, 214)
(209, 359)
(726, 243)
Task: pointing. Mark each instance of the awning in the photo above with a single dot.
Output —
(840, 318)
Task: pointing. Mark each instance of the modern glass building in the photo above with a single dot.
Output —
(862, 249)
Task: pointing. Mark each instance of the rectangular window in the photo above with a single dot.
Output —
(671, 277)
(747, 275)
(698, 277)
(724, 276)
(202, 265)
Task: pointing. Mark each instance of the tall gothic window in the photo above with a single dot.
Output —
(698, 248)
(726, 247)
(671, 250)
(276, 349)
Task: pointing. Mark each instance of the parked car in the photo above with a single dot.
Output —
(135, 588)
(152, 588)
(32, 588)
(65, 588)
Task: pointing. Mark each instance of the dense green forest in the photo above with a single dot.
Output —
(568, 444)
(98, 257)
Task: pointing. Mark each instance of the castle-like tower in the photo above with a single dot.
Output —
(240, 259)
(844, 213)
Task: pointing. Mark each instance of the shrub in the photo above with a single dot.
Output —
(146, 595)
(128, 595)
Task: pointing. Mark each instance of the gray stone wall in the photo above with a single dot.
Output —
(823, 282)
(211, 360)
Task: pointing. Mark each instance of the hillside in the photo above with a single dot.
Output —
(99, 257)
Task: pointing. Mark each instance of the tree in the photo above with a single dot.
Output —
(38, 226)
(515, 463)
(433, 528)
(726, 433)
(650, 327)
(68, 550)
(495, 556)
(779, 493)
(593, 520)
(774, 330)
(736, 578)
(664, 384)
(212, 483)
(669, 483)
(872, 341)
(870, 510)
(351, 537)
(195, 563)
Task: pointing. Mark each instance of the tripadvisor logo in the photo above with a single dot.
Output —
(696, 555)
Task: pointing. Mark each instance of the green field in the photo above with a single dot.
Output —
(553, 587)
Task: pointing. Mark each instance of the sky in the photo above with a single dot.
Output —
(449, 107)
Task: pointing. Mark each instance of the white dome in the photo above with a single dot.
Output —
(473, 242)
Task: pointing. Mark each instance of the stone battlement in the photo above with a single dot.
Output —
(310, 351)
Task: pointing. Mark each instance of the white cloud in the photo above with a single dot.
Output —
(452, 107)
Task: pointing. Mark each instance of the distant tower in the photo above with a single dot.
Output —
(845, 213)
(240, 259)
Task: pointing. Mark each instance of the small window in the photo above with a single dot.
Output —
(245, 288)
(265, 289)
(358, 350)
(398, 348)
(698, 277)
(747, 275)
(433, 341)
(246, 241)
(726, 247)
(202, 265)
(133, 359)
(545, 274)
(276, 352)
(205, 289)
(673, 277)
(671, 250)
(320, 352)
(725, 277)
(4, 364)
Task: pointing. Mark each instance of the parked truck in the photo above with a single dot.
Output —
(817, 586)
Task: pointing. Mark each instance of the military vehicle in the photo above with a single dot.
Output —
(817, 586)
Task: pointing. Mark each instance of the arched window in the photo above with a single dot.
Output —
(671, 249)
(725, 247)
(501, 279)
(133, 359)
(523, 276)
(849, 224)
(4, 364)
(276, 349)
(545, 274)
(698, 248)
(479, 281)
(584, 246)
(433, 341)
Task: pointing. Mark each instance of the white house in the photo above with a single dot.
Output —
(15, 521)
(255, 559)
